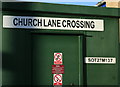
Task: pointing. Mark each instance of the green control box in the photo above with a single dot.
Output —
(45, 44)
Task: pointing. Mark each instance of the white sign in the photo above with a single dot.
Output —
(57, 58)
(57, 79)
(104, 60)
(52, 23)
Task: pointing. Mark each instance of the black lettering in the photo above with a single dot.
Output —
(53, 23)
(87, 24)
(73, 24)
(68, 23)
(95, 59)
(15, 21)
(30, 22)
(103, 60)
(98, 60)
(39, 22)
(108, 60)
(20, 21)
(35, 22)
(63, 23)
(92, 24)
(25, 22)
(90, 60)
(44, 23)
(77, 24)
(49, 23)
(81, 24)
(111, 60)
(58, 23)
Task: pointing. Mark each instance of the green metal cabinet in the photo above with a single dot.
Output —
(28, 54)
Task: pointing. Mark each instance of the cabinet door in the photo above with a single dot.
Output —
(43, 49)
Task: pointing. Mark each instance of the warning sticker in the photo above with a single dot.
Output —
(58, 69)
(57, 58)
(57, 79)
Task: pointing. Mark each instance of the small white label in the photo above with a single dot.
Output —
(104, 60)
(29, 22)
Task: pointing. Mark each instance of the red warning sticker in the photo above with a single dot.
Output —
(58, 69)
(57, 58)
(57, 79)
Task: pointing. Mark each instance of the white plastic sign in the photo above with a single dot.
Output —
(103, 60)
(30, 22)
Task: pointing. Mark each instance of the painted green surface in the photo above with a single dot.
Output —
(16, 58)
(20, 46)
(103, 44)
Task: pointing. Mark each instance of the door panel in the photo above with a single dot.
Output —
(43, 49)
